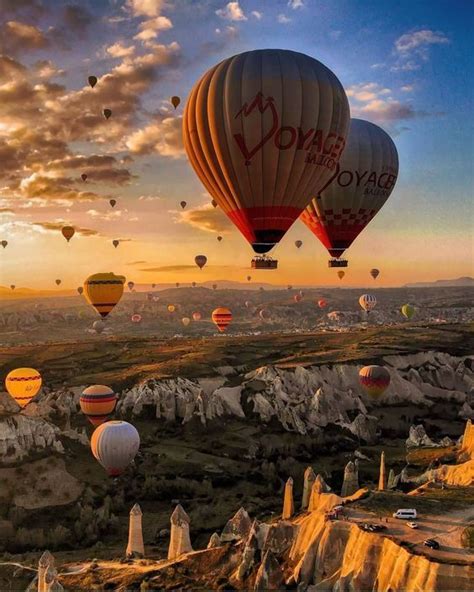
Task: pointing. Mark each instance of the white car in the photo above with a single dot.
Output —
(412, 525)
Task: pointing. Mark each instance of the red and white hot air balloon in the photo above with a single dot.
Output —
(264, 131)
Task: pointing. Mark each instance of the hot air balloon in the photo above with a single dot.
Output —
(264, 314)
(297, 297)
(153, 285)
(4, 243)
(374, 273)
(156, 298)
(221, 317)
(80, 290)
(214, 203)
(97, 403)
(175, 101)
(57, 282)
(362, 183)
(408, 311)
(103, 291)
(185, 321)
(116, 243)
(92, 81)
(374, 380)
(341, 274)
(298, 244)
(219, 238)
(336, 315)
(367, 302)
(177, 284)
(12, 286)
(171, 307)
(322, 303)
(196, 316)
(68, 232)
(214, 286)
(131, 285)
(23, 384)
(289, 287)
(136, 318)
(301, 293)
(248, 304)
(98, 326)
(200, 260)
(107, 113)
(115, 444)
(249, 277)
(264, 131)
(183, 204)
(112, 202)
(84, 177)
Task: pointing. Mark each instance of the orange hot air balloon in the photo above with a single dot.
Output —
(221, 317)
(115, 444)
(107, 113)
(68, 232)
(23, 384)
(171, 307)
(200, 260)
(214, 286)
(97, 403)
(4, 243)
(341, 274)
(80, 290)
(249, 277)
(84, 177)
(92, 80)
(297, 297)
(104, 291)
(264, 131)
(374, 380)
(175, 101)
(196, 316)
(322, 303)
(57, 282)
(116, 243)
(112, 202)
(374, 273)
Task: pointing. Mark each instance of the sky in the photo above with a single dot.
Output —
(406, 66)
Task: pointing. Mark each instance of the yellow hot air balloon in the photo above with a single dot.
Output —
(175, 101)
(374, 380)
(408, 311)
(23, 384)
(103, 291)
(171, 307)
(185, 321)
(97, 402)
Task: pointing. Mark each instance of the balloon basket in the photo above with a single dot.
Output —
(337, 263)
(264, 263)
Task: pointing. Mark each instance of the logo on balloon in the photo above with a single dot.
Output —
(321, 149)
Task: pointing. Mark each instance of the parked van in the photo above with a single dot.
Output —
(405, 514)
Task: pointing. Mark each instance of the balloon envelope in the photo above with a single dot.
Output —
(322, 303)
(80, 290)
(221, 317)
(185, 321)
(175, 101)
(4, 243)
(68, 232)
(130, 285)
(115, 444)
(374, 380)
(84, 176)
(363, 182)
(183, 204)
(97, 403)
(200, 260)
(171, 307)
(297, 297)
(92, 80)
(112, 202)
(264, 131)
(103, 291)
(23, 384)
(116, 243)
(374, 273)
(341, 274)
(298, 244)
(408, 311)
(57, 282)
(107, 113)
(196, 316)
(368, 302)
(136, 318)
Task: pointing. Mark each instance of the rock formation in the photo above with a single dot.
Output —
(269, 574)
(418, 437)
(46, 561)
(391, 481)
(288, 504)
(21, 436)
(214, 541)
(382, 475)
(237, 528)
(135, 547)
(180, 542)
(309, 479)
(467, 443)
(351, 479)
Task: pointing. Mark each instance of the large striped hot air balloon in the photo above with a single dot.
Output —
(97, 403)
(363, 182)
(221, 317)
(368, 302)
(115, 444)
(23, 384)
(408, 311)
(374, 380)
(264, 131)
(103, 291)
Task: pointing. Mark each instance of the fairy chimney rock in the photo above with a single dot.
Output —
(309, 479)
(135, 547)
(351, 479)
(180, 542)
(269, 574)
(214, 541)
(237, 527)
(382, 477)
(288, 504)
(46, 560)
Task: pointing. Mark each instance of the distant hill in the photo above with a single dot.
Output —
(459, 282)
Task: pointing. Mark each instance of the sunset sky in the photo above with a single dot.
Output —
(406, 66)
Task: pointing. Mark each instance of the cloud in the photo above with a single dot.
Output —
(110, 215)
(295, 4)
(417, 41)
(283, 19)
(167, 268)
(378, 66)
(46, 69)
(407, 88)
(6, 212)
(368, 91)
(51, 188)
(148, 8)
(409, 66)
(118, 50)
(149, 29)
(163, 136)
(149, 198)
(135, 262)
(206, 218)
(232, 12)
(16, 37)
(258, 15)
(58, 225)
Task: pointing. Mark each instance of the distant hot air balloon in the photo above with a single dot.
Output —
(264, 131)
(322, 303)
(221, 317)
(214, 203)
(185, 321)
(115, 444)
(214, 286)
(249, 277)
(107, 113)
(131, 285)
(196, 316)
(112, 202)
(57, 282)
(183, 204)
(248, 304)
(193, 284)
(97, 403)
(84, 177)
(341, 274)
(177, 284)
(171, 307)
(156, 298)
(219, 238)
(116, 243)
(200, 260)
(298, 244)
(360, 186)
(98, 326)
(4, 243)
(103, 291)
(264, 314)
(80, 290)
(297, 297)
(136, 318)
(301, 293)
(68, 232)
(12, 286)
(336, 315)
(175, 101)
(374, 380)
(408, 311)
(23, 384)
(92, 81)
(367, 302)
(374, 273)
(153, 285)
